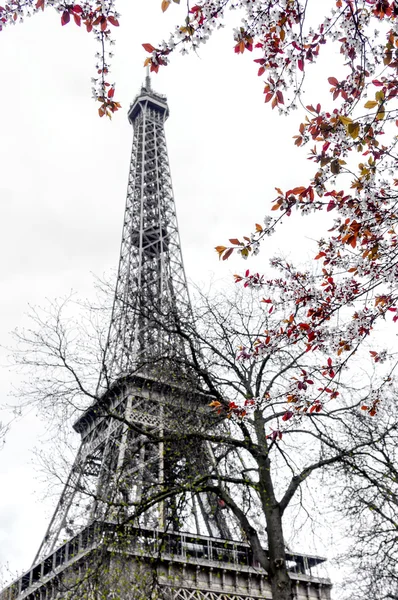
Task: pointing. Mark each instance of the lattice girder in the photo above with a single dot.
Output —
(118, 465)
(151, 291)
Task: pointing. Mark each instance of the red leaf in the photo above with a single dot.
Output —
(111, 92)
(65, 18)
(288, 415)
(300, 64)
(77, 9)
(333, 81)
(113, 21)
(77, 19)
(228, 253)
(331, 206)
(148, 47)
(279, 95)
(261, 71)
(104, 24)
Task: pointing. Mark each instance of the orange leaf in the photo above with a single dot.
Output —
(235, 241)
(258, 228)
(298, 190)
(220, 250)
(215, 404)
(165, 5)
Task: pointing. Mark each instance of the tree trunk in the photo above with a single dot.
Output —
(280, 581)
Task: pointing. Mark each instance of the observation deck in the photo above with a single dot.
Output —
(212, 567)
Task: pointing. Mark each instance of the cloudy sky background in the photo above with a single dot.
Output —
(63, 176)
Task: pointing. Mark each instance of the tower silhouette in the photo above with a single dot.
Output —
(133, 438)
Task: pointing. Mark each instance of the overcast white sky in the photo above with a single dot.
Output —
(63, 183)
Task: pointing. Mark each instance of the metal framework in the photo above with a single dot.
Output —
(151, 290)
(143, 389)
(133, 438)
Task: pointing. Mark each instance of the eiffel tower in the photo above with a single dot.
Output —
(96, 546)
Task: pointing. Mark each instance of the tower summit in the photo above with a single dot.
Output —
(134, 447)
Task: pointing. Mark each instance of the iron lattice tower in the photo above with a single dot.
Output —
(145, 393)
(144, 380)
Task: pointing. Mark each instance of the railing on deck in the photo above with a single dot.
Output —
(178, 546)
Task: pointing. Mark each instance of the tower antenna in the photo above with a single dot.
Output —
(148, 80)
